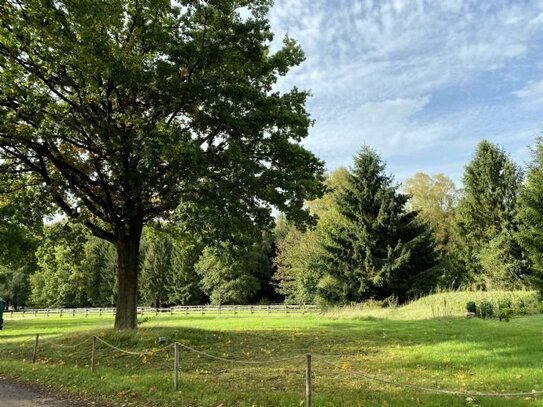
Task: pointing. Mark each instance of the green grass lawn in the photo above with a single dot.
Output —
(450, 353)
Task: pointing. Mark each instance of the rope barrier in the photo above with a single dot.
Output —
(249, 362)
(141, 354)
(64, 346)
(434, 390)
(320, 358)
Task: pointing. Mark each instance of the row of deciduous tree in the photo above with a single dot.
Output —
(374, 239)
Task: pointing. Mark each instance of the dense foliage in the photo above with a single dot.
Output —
(370, 242)
(123, 111)
(486, 250)
(378, 249)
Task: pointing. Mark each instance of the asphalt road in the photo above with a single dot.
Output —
(14, 396)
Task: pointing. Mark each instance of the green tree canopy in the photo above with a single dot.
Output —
(434, 197)
(125, 110)
(379, 249)
(299, 253)
(530, 214)
(485, 217)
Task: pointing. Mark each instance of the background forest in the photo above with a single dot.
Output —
(373, 238)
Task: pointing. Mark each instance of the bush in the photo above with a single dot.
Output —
(505, 314)
(471, 307)
(505, 303)
(521, 307)
(485, 310)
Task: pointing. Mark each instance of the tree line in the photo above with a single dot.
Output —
(374, 239)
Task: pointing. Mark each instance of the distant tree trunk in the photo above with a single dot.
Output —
(128, 247)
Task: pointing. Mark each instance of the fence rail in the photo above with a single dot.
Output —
(186, 310)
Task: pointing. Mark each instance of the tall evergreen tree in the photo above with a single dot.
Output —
(530, 214)
(379, 249)
(186, 288)
(156, 271)
(485, 214)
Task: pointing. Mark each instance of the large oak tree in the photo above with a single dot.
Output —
(125, 110)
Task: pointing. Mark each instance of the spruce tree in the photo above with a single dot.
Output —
(156, 271)
(485, 217)
(530, 214)
(378, 249)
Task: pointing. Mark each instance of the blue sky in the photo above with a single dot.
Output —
(420, 81)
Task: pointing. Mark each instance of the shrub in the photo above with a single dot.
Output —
(471, 307)
(505, 314)
(485, 310)
(521, 307)
(505, 303)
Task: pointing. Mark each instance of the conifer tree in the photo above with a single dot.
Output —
(530, 214)
(378, 249)
(485, 216)
(156, 272)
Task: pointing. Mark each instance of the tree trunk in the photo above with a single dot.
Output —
(128, 248)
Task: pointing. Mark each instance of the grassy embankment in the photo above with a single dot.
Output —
(450, 353)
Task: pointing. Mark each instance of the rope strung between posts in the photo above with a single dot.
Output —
(144, 353)
(249, 362)
(64, 346)
(431, 389)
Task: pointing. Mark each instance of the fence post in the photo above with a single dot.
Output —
(35, 352)
(93, 354)
(308, 389)
(176, 366)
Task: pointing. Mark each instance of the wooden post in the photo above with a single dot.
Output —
(73, 312)
(93, 354)
(35, 352)
(176, 366)
(308, 380)
(61, 311)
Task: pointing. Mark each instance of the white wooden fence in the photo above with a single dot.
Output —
(284, 309)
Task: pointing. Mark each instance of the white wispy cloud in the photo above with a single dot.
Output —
(531, 93)
(375, 66)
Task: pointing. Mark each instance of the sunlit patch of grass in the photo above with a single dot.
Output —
(450, 353)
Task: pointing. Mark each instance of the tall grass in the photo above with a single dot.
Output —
(438, 305)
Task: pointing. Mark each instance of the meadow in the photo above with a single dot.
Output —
(422, 349)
